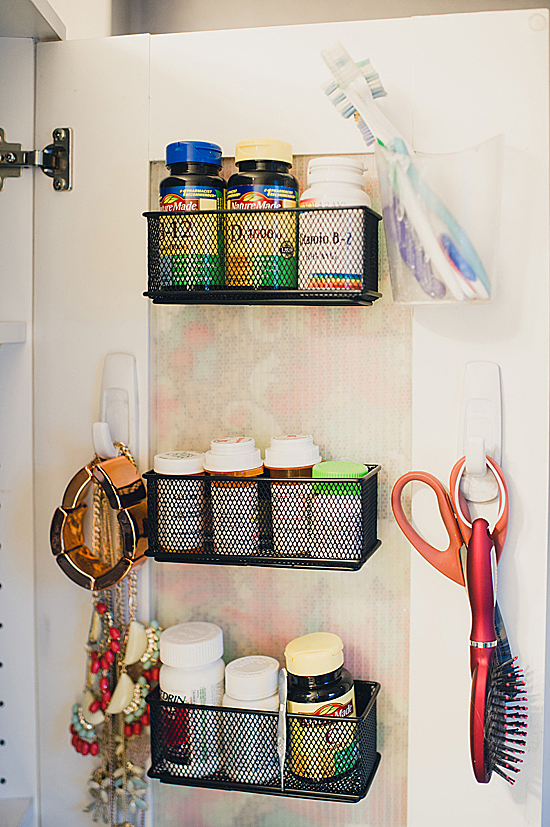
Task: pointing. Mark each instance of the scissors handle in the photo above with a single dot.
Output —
(460, 504)
(447, 561)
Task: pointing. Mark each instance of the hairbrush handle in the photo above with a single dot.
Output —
(481, 566)
(481, 574)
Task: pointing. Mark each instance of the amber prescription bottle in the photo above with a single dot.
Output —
(292, 457)
(235, 503)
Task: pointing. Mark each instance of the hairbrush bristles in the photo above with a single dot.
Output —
(505, 720)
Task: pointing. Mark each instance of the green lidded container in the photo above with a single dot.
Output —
(338, 469)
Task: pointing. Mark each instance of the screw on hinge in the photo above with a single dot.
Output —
(54, 159)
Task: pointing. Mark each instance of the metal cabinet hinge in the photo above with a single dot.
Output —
(54, 160)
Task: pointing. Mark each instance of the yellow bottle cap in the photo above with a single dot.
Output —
(315, 654)
(263, 149)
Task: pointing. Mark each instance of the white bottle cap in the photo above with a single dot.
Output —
(292, 451)
(337, 169)
(191, 644)
(252, 677)
(179, 463)
(238, 453)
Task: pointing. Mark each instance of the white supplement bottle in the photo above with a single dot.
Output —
(192, 672)
(331, 251)
(250, 741)
(235, 503)
(181, 504)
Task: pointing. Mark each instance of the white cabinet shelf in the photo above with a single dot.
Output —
(12, 333)
(15, 812)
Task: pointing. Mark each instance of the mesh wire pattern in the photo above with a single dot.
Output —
(236, 749)
(323, 255)
(263, 521)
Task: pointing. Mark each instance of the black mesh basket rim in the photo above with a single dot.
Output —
(373, 471)
(374, 688)
(164, 213)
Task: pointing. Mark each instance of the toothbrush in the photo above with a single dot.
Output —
(353, 93)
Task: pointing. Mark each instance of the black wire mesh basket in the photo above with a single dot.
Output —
(314, 255)
(263, 521)
(236, 749)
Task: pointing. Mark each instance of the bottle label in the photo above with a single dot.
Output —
(181, 519)
(211, 695)
(261, 197)
(261, 248)
(328, 747)
(235, 517)
(188, 737)
(191, 199)
(191, 245)
(331, 244)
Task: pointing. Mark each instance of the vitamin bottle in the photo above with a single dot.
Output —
(331, 250)
(319, 685)
(234, 503)
(261, 247)
(291, 457)
(336, 515)
(181, 504)
(192, 672)
(191, 248)
(250, 749)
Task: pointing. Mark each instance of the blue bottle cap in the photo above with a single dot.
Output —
(197, 152)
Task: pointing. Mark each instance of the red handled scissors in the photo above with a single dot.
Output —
(456, 517)
(497, 728)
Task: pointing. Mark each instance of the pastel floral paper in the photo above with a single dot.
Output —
(342, 374)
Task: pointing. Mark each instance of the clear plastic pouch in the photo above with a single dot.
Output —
(441, 220)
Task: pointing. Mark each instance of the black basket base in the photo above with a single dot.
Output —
(188, 748)
(290, 298)
(330, 791)
(299, 562)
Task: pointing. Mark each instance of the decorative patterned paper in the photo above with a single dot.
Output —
(342, 374)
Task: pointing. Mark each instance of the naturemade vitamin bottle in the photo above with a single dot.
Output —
(260, 244)
(319, 685)
(191, 245)
(331, 249)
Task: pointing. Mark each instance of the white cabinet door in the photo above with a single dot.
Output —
(18, 719)
(90, 259)
(90, 272)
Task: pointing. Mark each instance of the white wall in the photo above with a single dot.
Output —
(84, 18)
(163, 16)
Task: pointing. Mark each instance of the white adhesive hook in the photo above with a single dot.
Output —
(480, 431)
(476, 456)
(118, 406)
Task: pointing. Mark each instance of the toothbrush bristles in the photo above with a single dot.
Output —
(368, 137)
